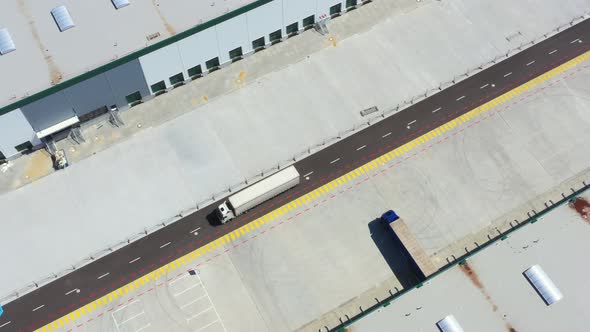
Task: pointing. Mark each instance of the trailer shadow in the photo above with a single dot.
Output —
(393, 254)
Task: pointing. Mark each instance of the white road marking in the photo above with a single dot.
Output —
(186, 290)
(214, 309)
(73, 290)
(575, 40)
(411, 123)
(104, 275)
(484, 86)
(172, 282)
(308, 174)
(460, 98)
(552, 51)
(125, 306)
(362, 147)
(5, 324)
(191, 302)
(506, 75)
(206, 326)
(162, 246)
(493, 85)
(530, 63)
(135, 260)
(194, 231)
(335, 160)
(436, 110)
(143, 328)
(131, 318)
(39, 307)
(200, 313)
(389, 133)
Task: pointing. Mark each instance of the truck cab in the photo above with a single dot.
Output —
(389, 217)
(224, 213)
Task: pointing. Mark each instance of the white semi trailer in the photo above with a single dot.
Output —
(257, 193)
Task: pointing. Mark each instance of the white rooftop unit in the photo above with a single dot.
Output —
(543, 285)
(449, 324)
(120, 3)
(6, 43)
(62, 18)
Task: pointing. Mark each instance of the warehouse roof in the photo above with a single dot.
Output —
(46, 56)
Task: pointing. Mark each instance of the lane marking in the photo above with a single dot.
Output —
(411, 123)
(484, 86)
(460, 98)
(506, 75)
(104, 275)
(362, 147)
(39, 307)
(135, 260)
(162, 246)
(530, 63)
(335, 160)
(73, 290)
(575, 40)
(389, 133)
(438, 109)
(552, 51)
(5, 324)
(308, 174)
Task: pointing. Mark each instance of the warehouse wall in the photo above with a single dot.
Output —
(15, 130)
(91, 94)
(137, 76)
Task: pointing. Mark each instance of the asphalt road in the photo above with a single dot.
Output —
(106, 274)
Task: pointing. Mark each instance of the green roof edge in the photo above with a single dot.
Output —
(130, 57)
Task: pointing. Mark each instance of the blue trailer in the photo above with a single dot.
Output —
(412, 248)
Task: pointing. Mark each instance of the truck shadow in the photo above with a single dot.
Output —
(393, 254)
(213, 219)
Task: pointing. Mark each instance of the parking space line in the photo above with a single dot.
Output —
(132, 318)
(172, 282)
(143, 328)
(197, 315)
(193, 301)
(206, 326)
(186, 290)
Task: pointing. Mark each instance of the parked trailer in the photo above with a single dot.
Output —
(412, 248)
(257, 193)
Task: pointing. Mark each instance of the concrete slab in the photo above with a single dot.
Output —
(160, 170)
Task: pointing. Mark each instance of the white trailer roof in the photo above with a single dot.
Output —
(449, 324)
(261, 187)
(543, 284)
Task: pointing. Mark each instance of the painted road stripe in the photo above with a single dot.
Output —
(165, 244)
(436, 110)
(109, 298)
(39, 307)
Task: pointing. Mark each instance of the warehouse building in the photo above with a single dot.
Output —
(65, 62)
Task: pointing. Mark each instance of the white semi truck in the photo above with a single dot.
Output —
(257, 193)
